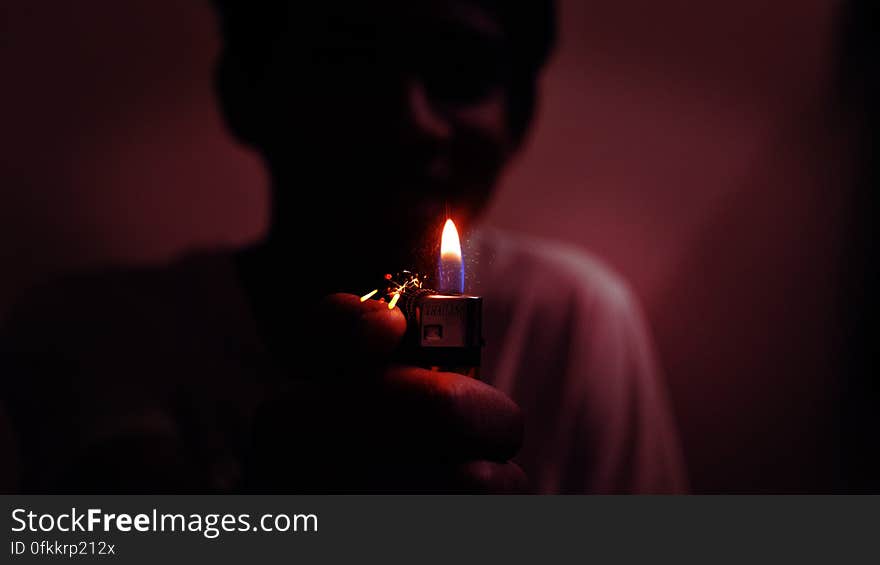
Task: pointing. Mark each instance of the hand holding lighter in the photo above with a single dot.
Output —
(444, 329)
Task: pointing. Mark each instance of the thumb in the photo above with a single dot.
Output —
(358, 332)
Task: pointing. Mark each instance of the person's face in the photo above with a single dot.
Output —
(396, 112)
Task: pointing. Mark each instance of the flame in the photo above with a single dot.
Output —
(451, 267)
(450, 246)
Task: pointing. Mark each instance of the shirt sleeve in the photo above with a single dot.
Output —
(623, 435)
(567, 340)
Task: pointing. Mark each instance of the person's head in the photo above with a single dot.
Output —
(382, 115)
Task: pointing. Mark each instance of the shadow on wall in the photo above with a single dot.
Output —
(112, 146)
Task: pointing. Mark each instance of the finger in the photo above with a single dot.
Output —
(357, 333)
(360, 475)
(490, 477)
(450, 415)
(470, 477)
(404, 414)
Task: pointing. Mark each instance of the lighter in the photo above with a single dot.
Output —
(444, 326)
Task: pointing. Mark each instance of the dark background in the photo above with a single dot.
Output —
(694, 146)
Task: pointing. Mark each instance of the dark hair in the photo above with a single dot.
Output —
(249, 29)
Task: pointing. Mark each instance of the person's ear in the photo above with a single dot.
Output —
(239, 97)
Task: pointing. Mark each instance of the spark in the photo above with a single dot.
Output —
(411, 281)
(369, 295)
(394, 300)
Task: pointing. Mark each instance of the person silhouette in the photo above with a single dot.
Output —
(252, 369)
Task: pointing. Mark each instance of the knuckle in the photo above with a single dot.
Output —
(487, 477)
(481, 476)
(451, 394)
